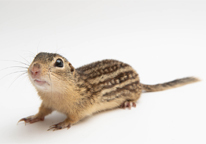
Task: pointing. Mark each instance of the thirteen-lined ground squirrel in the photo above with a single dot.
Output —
(92, 88)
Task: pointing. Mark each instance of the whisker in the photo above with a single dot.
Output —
(62, 72)
(13, 73)
(37, 50)
(51, 83)
(16, 62)
(17, 78)
(30, 52)
(55, 76)
(13, 67)
(58, 77)
(25, 60)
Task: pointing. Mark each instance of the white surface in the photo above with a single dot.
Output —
(161, 40)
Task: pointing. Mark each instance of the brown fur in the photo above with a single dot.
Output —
(92, 88)
(169, 85)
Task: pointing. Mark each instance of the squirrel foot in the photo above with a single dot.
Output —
(31, 119)
(59, 126)
(128, 104)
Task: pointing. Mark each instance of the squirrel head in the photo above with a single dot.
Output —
(51, 72)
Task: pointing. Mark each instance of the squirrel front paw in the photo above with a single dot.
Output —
(60, 126)
(31, 119)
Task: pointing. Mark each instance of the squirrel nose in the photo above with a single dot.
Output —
(35, 70)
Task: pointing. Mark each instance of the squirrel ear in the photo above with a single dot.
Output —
(71, 67)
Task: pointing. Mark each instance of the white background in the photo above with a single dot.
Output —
(162, 40)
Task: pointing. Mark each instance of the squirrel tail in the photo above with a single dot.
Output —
(169, 85)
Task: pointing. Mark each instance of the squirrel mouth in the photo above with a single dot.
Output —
(40, 82)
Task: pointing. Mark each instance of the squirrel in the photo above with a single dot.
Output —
(81, 92)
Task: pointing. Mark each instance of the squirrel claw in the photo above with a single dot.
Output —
(23, 119)
(128, 104)
(59, 126)
(30, 120)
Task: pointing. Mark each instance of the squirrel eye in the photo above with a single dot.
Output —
(59, 63)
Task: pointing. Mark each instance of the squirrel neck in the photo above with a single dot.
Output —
(70, 90)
